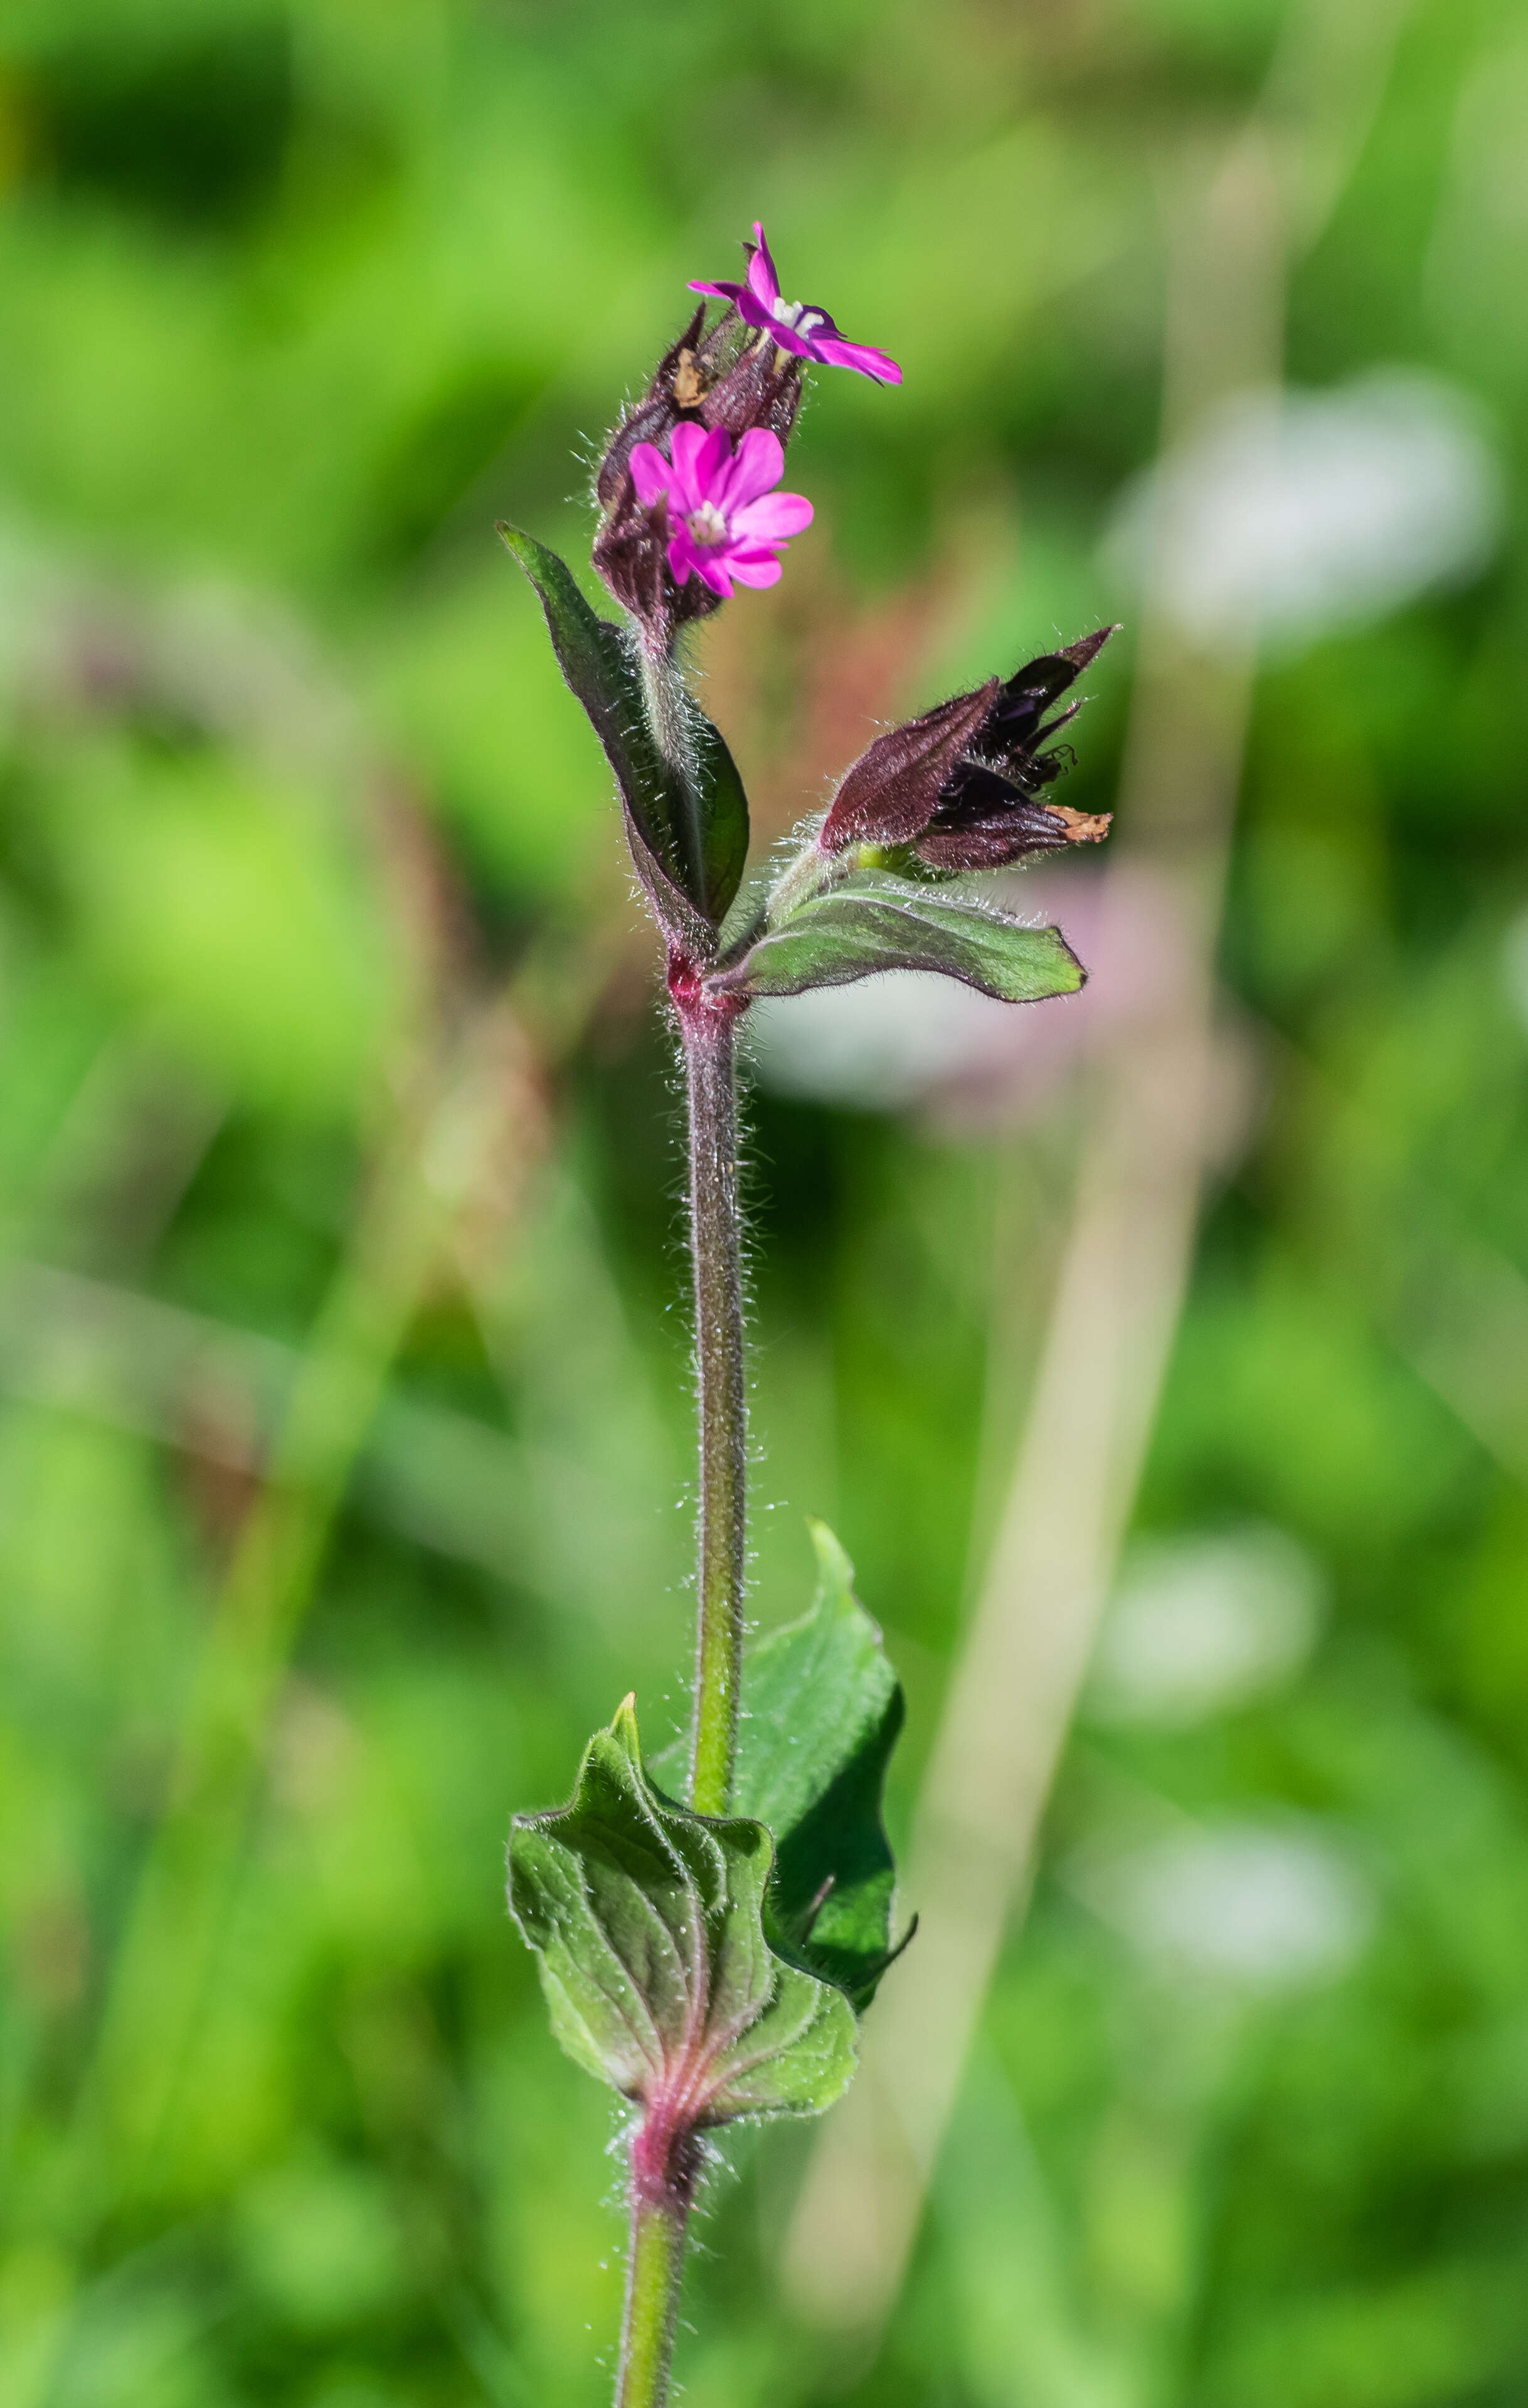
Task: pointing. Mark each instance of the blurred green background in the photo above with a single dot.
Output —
(344, 1407)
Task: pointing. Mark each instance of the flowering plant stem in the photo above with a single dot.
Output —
(717, 1254)
(654, 2276)
(662, 2173)
(710, 1957)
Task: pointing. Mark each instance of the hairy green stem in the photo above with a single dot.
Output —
(664, 2155)
(716, 1254)
(799, 881)
(655, 2272)
(670, 717)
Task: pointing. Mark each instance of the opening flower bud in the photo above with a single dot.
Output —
(711, 380)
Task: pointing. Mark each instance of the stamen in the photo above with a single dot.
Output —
(706, 524)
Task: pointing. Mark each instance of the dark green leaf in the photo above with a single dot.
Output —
(876, 923)
(689, 833)
(723, 815)
(822, 1709)
(646, 1923)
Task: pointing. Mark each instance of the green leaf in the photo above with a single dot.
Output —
(822, 1709)
(689, 833)
(647, 1925)
(876, 923)
(724, 814)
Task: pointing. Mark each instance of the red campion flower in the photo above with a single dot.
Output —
(795, 326)
(723, 522)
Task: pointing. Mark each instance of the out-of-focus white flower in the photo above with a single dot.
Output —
(1202, 1624)
(1260, 1905)
(1293, 513)
(880, 1044)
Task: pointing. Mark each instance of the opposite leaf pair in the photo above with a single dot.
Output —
(710, 1968)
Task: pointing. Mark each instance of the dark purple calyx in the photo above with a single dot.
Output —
(961, 784)
(893, 789)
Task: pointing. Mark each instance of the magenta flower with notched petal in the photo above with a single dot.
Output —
(808, 331)
(723, 522)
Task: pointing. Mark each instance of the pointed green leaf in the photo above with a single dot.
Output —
(689, 835)
(723, 815)
(877, 923)
(646, 1921)
(822, 1711)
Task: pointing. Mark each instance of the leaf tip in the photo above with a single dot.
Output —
(623, 1728)
(834, 1568)
(1080, 980)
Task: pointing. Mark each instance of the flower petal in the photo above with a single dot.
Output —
(760, 463)
(711, 568)
(650, 473)
(689, 443)
(762, 276)
(773, 519)
(725, 292)
(839, 354)
(754, 567)
(713, 466)
(681, 554)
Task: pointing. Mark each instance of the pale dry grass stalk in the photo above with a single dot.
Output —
(1116, 1307)
(1235, 223)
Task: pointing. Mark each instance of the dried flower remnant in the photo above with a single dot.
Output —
(724, 521)
(797, 327)
(961, 785)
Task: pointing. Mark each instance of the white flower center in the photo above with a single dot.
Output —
(706, 524)
(797, 314)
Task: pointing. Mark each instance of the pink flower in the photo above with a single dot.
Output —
(723, 522)
(810, 333)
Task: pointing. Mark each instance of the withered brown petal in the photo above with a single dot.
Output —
(1083, 827)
